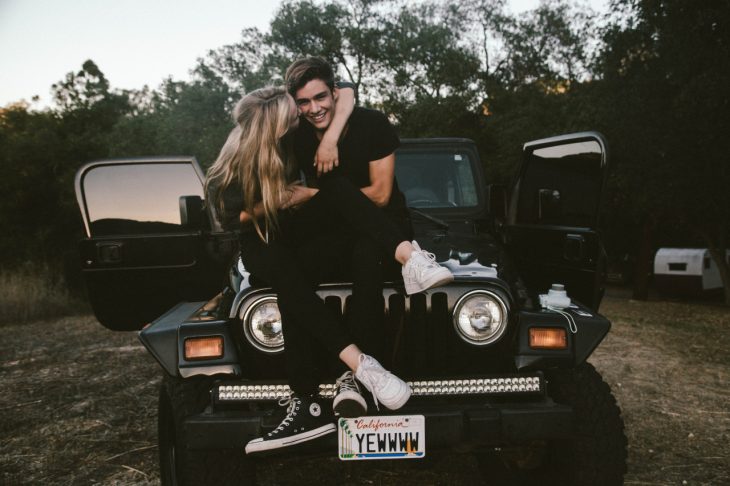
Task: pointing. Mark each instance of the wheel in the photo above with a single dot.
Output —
(596, 452)
(180, 466)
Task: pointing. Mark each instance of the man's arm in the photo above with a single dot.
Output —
(382, 174)
(327, 157)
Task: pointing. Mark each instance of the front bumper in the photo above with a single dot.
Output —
(463, 419)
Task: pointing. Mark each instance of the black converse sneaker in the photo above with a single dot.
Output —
(348, 401)
(305, 420)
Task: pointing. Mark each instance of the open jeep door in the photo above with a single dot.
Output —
(553, 214)
(150, 243)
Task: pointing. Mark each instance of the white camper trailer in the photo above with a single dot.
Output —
(686, 271)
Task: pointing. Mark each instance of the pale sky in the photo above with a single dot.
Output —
(134, 42)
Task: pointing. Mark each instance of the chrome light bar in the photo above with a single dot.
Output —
(478, 386)
(468, 386)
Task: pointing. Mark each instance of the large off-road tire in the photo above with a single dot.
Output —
(180, 466)
(595, 454)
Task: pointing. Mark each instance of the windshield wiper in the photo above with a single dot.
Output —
(433, 219)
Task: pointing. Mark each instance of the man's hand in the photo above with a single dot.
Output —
(295, 195)
(327, 156)
(298, 195)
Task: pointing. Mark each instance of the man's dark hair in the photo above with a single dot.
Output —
(304, 70)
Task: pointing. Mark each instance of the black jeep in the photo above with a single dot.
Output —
(496, 360)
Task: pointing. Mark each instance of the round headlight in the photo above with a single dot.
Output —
(480, 317)
(262, 325)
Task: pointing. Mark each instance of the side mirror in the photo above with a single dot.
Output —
(191, 212)
(497, 202)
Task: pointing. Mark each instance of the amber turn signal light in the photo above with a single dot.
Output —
(548, 338)
(204, 347)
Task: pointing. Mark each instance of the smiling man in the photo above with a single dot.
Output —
(315, 101)
(366, 159)
(367, 144)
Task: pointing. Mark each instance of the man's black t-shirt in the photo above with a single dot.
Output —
(369, 136)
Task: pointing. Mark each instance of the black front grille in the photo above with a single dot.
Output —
(418, 338)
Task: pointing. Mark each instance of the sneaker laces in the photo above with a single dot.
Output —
(425, 259)
(290, 402)
(367, 378)
(347, 382)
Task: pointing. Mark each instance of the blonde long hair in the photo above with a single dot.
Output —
(254, 157)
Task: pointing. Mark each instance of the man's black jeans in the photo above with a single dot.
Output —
(338, 229)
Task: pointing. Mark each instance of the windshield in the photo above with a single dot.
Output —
(436, 178)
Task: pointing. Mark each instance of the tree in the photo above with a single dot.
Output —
(39, 155)
(251, 63)
(345, 33)
(422, 53)
(30, 162)
(666, 64)
(535, 76)
(548, 46)
(185, 118)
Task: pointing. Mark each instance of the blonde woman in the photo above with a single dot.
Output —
(286, 232)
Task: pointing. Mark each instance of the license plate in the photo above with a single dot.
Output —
(384, 437)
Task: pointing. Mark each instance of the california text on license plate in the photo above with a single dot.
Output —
(384, 437)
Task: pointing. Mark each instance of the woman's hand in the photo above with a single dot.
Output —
(327, 156)
(298, 195)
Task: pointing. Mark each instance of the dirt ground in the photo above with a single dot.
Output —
(79, 403)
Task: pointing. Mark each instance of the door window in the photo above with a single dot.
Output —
(561, 185)
(138, 198)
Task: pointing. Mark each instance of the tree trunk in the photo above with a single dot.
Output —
(721, 259)
(644, 260)
(718, 251)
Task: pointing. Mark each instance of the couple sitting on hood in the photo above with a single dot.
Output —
(293, 236)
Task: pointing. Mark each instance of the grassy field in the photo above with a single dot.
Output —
(34, 292)
(79, 405)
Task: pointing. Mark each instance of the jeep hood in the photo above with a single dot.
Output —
(469, 253)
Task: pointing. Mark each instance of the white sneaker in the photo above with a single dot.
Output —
(348, 401)
(386, 388)
(421, 272)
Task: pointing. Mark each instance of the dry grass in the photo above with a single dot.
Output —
(668, 364)
(79, 405)
(34, 292)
